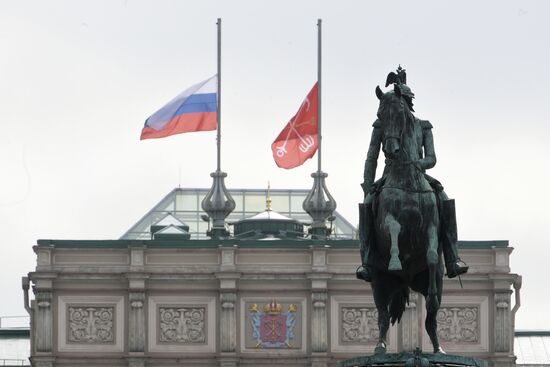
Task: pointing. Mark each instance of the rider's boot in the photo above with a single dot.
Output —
(455, 266)
(365, 238)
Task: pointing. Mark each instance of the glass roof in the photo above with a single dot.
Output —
(185, 206)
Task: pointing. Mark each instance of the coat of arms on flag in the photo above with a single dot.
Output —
(273, 328)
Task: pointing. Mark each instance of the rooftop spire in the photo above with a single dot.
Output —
(268, 198)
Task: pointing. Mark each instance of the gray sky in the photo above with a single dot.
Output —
(78, 79)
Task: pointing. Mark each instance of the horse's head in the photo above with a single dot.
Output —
(394, 110)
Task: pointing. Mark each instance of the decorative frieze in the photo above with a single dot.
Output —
(458, 324)
(359, 325)
(182, 325)
(91, 325)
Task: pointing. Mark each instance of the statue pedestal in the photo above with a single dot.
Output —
(413, 359)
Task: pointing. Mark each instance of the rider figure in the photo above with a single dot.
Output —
(455, 266)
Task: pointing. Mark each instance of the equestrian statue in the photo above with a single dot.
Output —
(406, 220)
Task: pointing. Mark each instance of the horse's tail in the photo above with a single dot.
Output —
(397, 305)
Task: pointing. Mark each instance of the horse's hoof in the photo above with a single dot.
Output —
(380, 350)
(439, 350)
(395, 265)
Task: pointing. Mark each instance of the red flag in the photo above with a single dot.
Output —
(298, 140)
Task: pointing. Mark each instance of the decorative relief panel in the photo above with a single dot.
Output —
(359, 324)
(91, 325)
(182, 324)
(185, 325)
(463, 324)
(458, 324)
(354, 320)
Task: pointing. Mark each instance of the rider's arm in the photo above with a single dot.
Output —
(429, 159)
(372, 156)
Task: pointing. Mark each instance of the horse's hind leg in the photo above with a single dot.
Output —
(394, 228)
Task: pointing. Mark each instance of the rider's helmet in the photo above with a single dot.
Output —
(399, 80)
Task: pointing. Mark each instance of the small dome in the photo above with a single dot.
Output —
(268, 225)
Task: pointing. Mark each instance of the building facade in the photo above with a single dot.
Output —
(246, 303)
(262, 297)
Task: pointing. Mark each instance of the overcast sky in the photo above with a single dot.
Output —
(78, 79)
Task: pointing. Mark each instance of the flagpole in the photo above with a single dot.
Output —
(219, 107)
(319, 204)
(319, 136)
(218, 202)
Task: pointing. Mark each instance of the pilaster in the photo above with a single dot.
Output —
(410, 333)
(44, 321)
(228, 308)
(136, 322)
(43, 313)
(503, 322)
(137, 333)
(319, 317)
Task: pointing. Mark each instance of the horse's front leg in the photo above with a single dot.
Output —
(393, 227)
(432, 299)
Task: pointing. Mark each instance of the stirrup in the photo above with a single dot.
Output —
(456, 268)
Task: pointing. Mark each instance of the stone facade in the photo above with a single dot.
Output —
(246, 303)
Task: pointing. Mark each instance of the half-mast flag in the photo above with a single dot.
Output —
(298, 140)
(194, 109)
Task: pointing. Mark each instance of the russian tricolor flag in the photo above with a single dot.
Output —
(195, 109)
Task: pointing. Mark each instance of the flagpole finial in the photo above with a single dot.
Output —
(320, 205)
(218, 203)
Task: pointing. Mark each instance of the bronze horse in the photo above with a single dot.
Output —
(406, 230)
